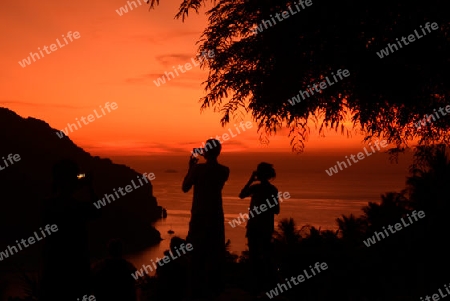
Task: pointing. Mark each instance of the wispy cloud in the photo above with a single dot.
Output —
(164, 37)
(168, 60)
(143, 78)
(192, 80)
(134, 146)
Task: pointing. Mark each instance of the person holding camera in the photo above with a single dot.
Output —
(206, 227)
(260, 225)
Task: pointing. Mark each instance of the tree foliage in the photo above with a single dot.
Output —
(385, 97)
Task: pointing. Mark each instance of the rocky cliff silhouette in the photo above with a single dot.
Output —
(24, 184)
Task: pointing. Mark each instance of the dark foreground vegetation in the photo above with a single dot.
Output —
(406, 265)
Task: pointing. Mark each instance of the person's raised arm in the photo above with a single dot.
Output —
(189, 178)
(246, 191)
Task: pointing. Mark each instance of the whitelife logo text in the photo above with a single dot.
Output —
(360, 156)
(371, 240)
(263, 207)
(411, 38)
(31, 240)
(162, 80)
(128, 189)
(162, 261)
(27, 61)
(90, 118)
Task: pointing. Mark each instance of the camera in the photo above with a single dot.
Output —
(198, 151)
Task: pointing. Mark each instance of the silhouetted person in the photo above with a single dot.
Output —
(66, 266)
(264, 205)
(173, 276)
(112, 279)
(206, 227)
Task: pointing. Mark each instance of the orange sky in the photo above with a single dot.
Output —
(116, 59)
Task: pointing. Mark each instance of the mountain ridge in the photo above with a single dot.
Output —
(26, 183)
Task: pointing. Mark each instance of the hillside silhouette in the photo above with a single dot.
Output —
(27, 182)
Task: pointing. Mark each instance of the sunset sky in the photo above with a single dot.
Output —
(115, 59)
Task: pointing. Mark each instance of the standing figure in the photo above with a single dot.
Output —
(260, 225)
(206, 227)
